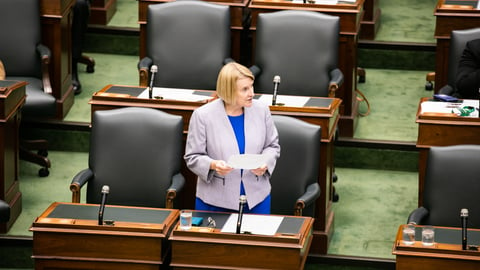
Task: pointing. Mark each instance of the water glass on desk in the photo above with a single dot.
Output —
(408, 234)
(185, 220)
(428, 235)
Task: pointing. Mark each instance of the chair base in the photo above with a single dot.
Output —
(39, 158)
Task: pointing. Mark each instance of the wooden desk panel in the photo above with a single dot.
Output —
(450, 17)
(12, 98)
(102, 11)
(444, 255)
(350, 16)
(62, 241)
(327, 118)
(56, 19)
(442, 130)
(204, 249)
(238, 13)
(371, 20)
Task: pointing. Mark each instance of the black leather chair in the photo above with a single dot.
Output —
(458, 39)
(137, 152)
(189, 41)
(295, 178)
(451, 183)
(302, 48)
(26, 59)
(81, 15)
(4, 211)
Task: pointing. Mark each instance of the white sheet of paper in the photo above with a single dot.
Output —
(319, 2)
(290, 101)
(247, 161)
(255, 224)
(449, 107)
(175, 94)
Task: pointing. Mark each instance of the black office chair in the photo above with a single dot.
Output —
(295, 178)
(26, 59)
(302, 48)
(4, 211)
(81, 15)
(458, 39)
(189, 41)
(137, 152)
(451, 183)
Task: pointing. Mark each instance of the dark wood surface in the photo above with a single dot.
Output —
(212, 249)
(350, 16)
(12, 98)
(102, 11)
(437, 129)
(371, 19)
(441, 256)
(448, 18)
(326, 117)
(56, 19)
(71, 243)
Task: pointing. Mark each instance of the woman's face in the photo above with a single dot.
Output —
(244, 94)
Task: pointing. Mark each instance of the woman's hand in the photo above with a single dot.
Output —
(221, 167)
(260, 171)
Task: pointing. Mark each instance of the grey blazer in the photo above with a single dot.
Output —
(211, 137)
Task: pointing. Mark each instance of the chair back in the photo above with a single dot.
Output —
(299, 46)
(298, 164)
(136, 152)
(188, 41)
(452, 182)
(458, 40)
(20, 33)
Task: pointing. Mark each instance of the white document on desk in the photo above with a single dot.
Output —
(285, 100)
(449, 107)
(174, 94)
(254, 224)
(247, 161)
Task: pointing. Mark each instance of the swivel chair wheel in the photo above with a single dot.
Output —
(429, 86)
(43, 172)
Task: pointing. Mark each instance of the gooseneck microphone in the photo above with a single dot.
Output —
(105, 191)
(464, 217)
(243, 201)
(153, 71)
(276, 83)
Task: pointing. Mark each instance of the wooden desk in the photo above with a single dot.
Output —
(371, 20)
(446, 254)
(450, 16)
(12, 98)
(113, 96)
(56, 19)
(238, 15)
(67, 236)
(101, 11)
(203, 249)
(442, 130)
(350, 16)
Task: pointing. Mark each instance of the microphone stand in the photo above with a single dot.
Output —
(464, 217)
(153, 71)
(105, 191)
(276, 82)
(243, 201)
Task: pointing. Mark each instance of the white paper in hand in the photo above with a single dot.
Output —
(247, 161)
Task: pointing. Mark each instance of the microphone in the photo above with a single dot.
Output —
(464, 217)
(153, 71)
(105, 191)
(276, 83)
(243, 201)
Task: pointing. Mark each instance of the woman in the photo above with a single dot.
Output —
(233, 124)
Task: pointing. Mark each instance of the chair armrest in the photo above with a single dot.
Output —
(417, 215)
(256, 70)
(4, 211)
(336, 80)
(309, 197)
(45, 55)
(144, 69)
(78, 182)
(178, 181)
(228, 60)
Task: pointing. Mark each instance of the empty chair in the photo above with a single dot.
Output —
(189, 42)
(451, 183)
(137, 152)
(294, 181)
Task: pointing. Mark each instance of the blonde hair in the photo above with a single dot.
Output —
(227, 80)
